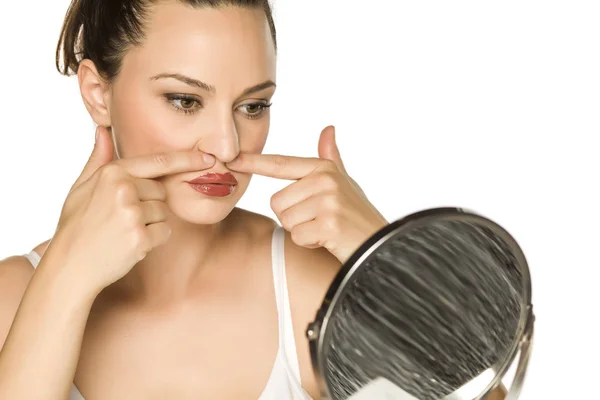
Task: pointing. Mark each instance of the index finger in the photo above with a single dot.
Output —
(275, 165)
(160, 164)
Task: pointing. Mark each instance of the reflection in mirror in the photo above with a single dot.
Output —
(432, 307)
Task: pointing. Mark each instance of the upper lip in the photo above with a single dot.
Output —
(217, 178)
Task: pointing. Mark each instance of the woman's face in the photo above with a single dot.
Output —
(200, 81)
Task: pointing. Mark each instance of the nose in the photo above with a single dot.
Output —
(220, 137)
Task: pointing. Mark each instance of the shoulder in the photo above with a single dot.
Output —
(309, 275)
(310, 271)
(16, 268)
(15, 273)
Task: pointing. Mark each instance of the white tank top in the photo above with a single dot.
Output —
(284, 381)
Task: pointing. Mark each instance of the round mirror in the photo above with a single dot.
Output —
(434, 306)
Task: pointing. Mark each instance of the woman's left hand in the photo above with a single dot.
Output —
(324, 207)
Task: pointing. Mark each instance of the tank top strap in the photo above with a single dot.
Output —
(33, 257)
(287, 341)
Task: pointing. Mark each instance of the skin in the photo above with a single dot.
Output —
(158, 328)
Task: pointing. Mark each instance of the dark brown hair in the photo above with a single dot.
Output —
(102, 30)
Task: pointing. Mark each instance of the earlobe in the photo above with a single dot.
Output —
(94, 92)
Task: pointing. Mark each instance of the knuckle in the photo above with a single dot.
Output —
(303, 239)
(327, 180)
(132, 215)
(285, 222)
(296, 237)
(331, 223)
(140, 242)
(330, 166)
(163, 159)
(138, 236)
(124, 188)
(109, 171)
(275, 202)
(280, 161)
(331, 202)
(167, 231)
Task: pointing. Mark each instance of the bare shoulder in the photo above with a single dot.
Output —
(310, 272)
(310, 269)
(309, 275)
(17, 269)
(15, 273)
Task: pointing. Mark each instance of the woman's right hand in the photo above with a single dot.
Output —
(116, 213)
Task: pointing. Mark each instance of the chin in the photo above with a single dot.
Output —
(200, 209)
(204, 216)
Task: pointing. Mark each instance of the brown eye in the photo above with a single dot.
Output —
(253, 108)
(187, 103)
(184, 103)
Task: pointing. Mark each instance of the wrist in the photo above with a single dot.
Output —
(65, 281)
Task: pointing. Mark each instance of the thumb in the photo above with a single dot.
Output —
(101, 155)
(328, 148)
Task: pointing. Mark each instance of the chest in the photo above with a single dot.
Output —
(197, 351)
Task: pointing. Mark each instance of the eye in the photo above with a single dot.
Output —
(187, 103)
(254, 110)
(184, 103)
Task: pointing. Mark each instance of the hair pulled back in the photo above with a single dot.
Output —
(103, 30)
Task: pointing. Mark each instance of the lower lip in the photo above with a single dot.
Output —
(213, 189)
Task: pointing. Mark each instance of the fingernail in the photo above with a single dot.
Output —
(208, 158)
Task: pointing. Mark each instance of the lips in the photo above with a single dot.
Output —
(214, 184)
(215, 178)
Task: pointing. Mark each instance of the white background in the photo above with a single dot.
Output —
(492, 106)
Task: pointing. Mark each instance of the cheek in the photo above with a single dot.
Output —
(141, 126)
(253, 140)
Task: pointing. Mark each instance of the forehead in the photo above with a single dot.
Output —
(211, 44)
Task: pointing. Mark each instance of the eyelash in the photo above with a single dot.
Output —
(171, 98)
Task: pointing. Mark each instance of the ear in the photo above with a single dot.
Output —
(94, 92)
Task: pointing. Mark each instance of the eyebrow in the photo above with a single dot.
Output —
(259, 87)
(185, 79)
(209, 88)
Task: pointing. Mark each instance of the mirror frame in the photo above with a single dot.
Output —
(317, 331)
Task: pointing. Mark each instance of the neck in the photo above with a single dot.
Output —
(167, 273)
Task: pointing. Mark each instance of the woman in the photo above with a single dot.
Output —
(154, 285)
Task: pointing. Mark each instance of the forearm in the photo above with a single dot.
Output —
(39, 358)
